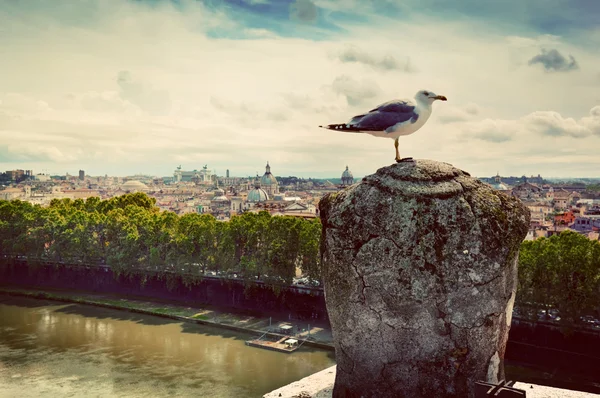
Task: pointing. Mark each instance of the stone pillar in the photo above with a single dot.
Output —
(420, 274)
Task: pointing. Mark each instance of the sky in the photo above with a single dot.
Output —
(121, 87)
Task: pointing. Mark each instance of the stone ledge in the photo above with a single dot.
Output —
(320, 385)
(317, 385)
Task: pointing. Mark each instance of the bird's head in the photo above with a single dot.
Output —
(427, 97)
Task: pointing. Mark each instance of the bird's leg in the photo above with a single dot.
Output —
(398, 159)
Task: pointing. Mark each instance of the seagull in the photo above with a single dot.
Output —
(392, 119)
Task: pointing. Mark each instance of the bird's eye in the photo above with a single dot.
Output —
(426, 93)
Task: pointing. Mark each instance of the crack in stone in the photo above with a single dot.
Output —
(480, 284)
(348, 357)
(364, 283)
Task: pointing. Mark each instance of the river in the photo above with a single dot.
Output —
(54, 349)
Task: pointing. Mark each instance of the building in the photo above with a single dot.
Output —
(540, 211)
(565, 218)
(134, 186)
(42, 177)
(527, 191)
(268, 182)
(11, 193)
(219, 202)
(18, 175)
(586, 224)
(197, 176)
(257, 194)
(498, 185)
(81, 175)
(347, 177)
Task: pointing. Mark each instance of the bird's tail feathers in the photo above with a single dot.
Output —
(342, 127)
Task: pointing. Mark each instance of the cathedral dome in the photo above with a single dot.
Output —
(268, 179)
(134, 186)
(500, 186)
(347, 177)
(347, 173)
(257, 195)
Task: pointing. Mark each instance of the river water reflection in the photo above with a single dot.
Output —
(68, 350)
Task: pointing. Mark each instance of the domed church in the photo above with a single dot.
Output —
(347, 177)
(257, 194)
(268, 182)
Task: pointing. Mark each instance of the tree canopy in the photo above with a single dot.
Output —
(130, 234)
(561, 272)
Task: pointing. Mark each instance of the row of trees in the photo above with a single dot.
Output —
(560, 272)
(129, 233)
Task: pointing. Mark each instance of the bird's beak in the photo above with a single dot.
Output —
(440, 97)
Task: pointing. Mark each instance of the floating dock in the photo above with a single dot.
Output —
(284, 344)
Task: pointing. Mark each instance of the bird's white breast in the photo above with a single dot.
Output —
(407, 128)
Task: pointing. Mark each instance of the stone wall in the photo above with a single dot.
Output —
(299, 303)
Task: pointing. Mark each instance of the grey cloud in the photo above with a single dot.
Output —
(472, 109)
(248, 114)
(494, 136)
(553, 124)
(297, 101)
(356, 92)
(553, 61)
(304, 103)
(303, 10)
(143, 95)
(539, 123)
(387, 62)
(230, 107)
(454, 114)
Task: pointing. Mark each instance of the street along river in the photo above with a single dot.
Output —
(54, 349)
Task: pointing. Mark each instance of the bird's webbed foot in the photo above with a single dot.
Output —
(404, 160)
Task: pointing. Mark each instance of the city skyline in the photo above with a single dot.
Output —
(126, 87)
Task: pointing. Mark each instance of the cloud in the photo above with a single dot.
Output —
(248, 114)
(143, 95)
(552, 124)
(207, 85)
(353, 54)
(453, 114)
(356, 91)
(304, 11)
(497, 131)
(553, 61)
(256, 2)
(539, 124)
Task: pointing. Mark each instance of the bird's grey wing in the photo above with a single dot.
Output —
(400, 106)
(385, 115)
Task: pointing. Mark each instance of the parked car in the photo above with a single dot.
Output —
(590, 321)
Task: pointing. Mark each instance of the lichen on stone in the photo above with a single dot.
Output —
(419, 271)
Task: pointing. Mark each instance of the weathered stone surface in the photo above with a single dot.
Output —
(420, 264)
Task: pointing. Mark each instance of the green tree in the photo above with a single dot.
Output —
(310, 244)
(131, 235)
(562, 271)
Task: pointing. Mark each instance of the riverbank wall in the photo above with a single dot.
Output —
(542, 343)
(298, 303)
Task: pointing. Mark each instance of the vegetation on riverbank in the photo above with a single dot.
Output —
(131, 235)
(562, 273)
